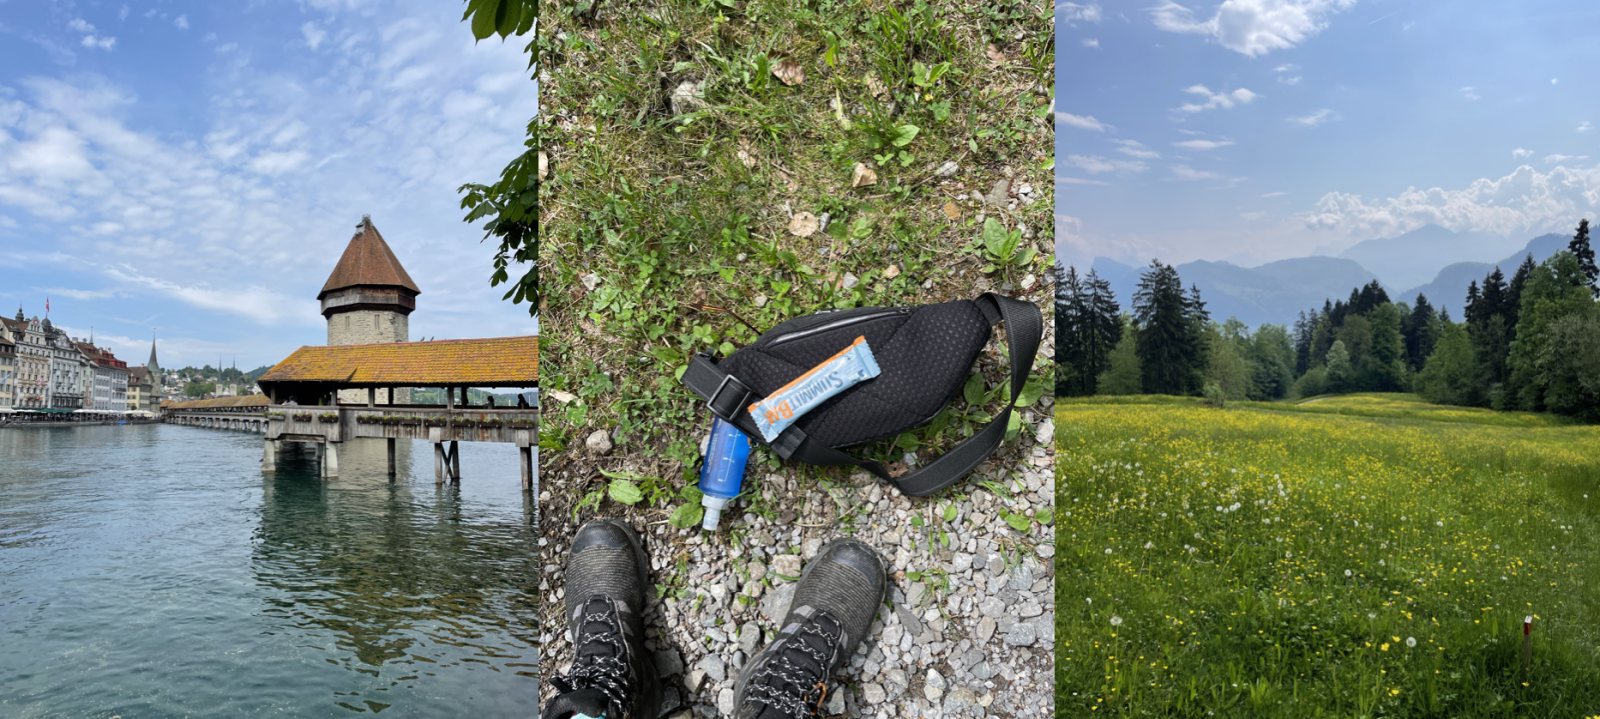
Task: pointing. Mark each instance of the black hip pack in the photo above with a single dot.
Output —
(925, 355)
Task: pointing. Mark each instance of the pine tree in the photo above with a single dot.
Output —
(1338, 367)
(1514, 292)
(1069, 321)
(1585, 254)
(1103, 327)
(1170, 349)
(1422, 333)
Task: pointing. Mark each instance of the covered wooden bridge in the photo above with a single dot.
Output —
(236, 413)
(303, 402)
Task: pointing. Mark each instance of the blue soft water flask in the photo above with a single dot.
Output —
(723, 471)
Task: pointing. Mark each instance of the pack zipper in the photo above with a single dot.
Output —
(837, 324)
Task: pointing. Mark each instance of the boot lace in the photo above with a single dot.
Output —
(794, 682)
(600, 660)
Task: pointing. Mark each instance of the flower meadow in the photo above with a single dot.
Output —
(1274, 560)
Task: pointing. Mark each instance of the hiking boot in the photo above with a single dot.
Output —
(612, 675)
(834, 604)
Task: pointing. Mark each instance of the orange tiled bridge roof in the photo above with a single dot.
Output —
(495, 362)
(253, 400)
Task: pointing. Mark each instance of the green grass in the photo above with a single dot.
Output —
(1273, 560)
(668, 233)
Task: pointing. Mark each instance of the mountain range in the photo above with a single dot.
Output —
(1276, 292)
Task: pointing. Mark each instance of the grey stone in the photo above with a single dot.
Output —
(725, 701)
(935, 679)
(982, 671)
(1022, 577)
(810, 547)
(1046, 432)
(1022, 634)
(776, 605)
(872, 693)
(986, 627)
(850, 281)
(749, 638)
(996, 565)
(959, 701)
(992, 607)
(787, 565)
(947, 169)
(714, 667)
(599, 442)
(694, 680)
(999, 194)
(891, 635)
(1029, 608)
(668, 663)
(835, 705)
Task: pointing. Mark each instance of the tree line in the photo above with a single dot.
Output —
(1528, 343)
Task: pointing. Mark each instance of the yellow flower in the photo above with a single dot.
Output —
(1384, 646)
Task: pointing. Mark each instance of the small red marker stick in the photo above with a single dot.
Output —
(1527, 644)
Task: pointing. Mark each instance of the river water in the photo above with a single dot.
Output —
(155, 571)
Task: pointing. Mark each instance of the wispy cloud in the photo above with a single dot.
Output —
(82, 295)
(182, 22)
(1520, 153)
(1133, 148)
(1286, 74)
(1077, 181)
(257, 303)
(1095, 163)
(1469, 92)
(1252, 216)
(1273, 194)
(1316, 118)
(1203, 144)
(1091, 42)
(1185, 172)
(1564, 158)
(1073, 13)
(1083, 122)
(1214, 100)
(1252, 27)
(1584, 126)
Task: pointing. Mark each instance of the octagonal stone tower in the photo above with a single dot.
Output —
(368, 299)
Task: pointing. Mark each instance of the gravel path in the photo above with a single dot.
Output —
(970, 638)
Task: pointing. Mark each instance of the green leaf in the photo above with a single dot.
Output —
(1031, 392)
(916, 521)
(950, 512)
(1018, 522)
(691, 493)
(973, 391)
(907, 442)
(904, 134)
(625, 492)
(667, 355)
(994, 237)
(483, 17)
(686, 516)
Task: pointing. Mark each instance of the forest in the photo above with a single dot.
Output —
(1527, 343)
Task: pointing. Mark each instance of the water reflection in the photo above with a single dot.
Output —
(388, 578)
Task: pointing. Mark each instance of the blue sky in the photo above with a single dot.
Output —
(199, 167)
(1255, 130)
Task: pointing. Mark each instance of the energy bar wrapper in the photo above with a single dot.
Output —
(781, 408)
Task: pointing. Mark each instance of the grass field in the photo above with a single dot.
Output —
(1354, 556)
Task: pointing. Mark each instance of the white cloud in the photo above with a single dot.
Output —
(1285, 76)
(1190, 132)
(1294, 80)
(1252, 216)
(1224, 100)
(1133, 148)
(1072, 13)
(1091, 42)
(1273, 194)
(1203, 144)
(227, 47)
(1521, 153)
(1469, 92)
(182, 22)
(1316, 118)
(80, 25)
(123, 14)
(1524, 201)
(81, 295)
(228, 212)
(1185, 172)
(1083, 122)
(1252, 27)
(313, 35)
(104, 43)
(1564, 158)
(1077, 181)
(1093, 164)
(1584, 126)
(1552, 81)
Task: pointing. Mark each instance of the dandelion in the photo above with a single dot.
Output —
(1089, 600)
(1347, 572)
(1440, 523)
(1149, 545)
(1372, 615)
(1411, 641)
(1108, 550)
(1116, 621)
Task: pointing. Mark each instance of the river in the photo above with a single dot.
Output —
(155, 571)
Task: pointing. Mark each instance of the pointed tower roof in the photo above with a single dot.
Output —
(368, 261)
(152, 363)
